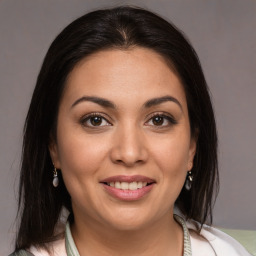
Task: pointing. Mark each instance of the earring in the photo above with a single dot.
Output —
(55, 181)
(189, 180)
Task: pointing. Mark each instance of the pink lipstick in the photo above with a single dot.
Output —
(128, 188)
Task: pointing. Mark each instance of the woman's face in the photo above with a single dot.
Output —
(123, 138)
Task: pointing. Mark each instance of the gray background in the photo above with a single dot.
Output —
(224, 35)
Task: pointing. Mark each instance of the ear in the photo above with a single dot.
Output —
(53, 149)
(192, 152)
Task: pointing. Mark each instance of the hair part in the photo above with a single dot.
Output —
(40, 204)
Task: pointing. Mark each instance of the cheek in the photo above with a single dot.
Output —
(81, 158)
(172, 154)
(79, 154)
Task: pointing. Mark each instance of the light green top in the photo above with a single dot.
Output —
(246, 237)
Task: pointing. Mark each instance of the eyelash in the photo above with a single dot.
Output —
(87, 118)
(171, 121)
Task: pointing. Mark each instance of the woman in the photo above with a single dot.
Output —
(121, 133)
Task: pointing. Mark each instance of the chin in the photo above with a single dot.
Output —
(129, 220)
(128, 225)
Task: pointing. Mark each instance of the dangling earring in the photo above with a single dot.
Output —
(189, 180)
(55, 181)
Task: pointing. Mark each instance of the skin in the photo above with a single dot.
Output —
(128, 141)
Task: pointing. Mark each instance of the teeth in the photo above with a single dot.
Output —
(133, 185)
(117, 184)
(125, 185)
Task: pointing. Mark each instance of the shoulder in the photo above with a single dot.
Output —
(212, 239)
(21, 253)
(56, 248)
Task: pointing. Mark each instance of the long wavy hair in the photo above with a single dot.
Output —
(122, 27)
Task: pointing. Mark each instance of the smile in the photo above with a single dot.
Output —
(128, 188)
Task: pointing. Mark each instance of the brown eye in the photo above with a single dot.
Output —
(96, 120)
(158, 120)
(161, 120)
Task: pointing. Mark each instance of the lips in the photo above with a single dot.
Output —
(128, 188)
(124, 178)
(125, 185)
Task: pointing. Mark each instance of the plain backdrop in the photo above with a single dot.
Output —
(223, 32)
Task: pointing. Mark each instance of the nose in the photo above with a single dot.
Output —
(129, 147)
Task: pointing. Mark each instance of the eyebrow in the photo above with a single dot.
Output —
(108, 104)
(102, 102)
(157, 101)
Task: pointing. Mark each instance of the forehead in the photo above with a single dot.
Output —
(137, 74)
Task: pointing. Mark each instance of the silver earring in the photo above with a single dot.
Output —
(189, 180)
(55, 181)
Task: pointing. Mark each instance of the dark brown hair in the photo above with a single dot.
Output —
(122, 27)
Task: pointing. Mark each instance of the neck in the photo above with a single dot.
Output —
(164, 237)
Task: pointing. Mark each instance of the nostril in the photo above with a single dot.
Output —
(128, 162)
(128, 154)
